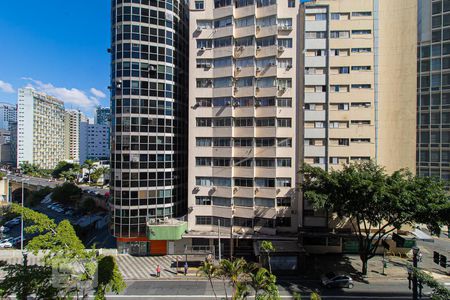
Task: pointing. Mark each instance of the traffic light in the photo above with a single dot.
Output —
(436, 257)
(443, 261)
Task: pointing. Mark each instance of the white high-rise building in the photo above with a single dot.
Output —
(98, 142)
(40, 129)
(8, 114)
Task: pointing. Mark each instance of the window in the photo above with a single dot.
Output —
(223, 22)
(266, 21)
(283, 182)
(242, 222)
(243, 162)
(265, 202)
(221, 162)
(222, 181)
(315, 35)
(222, 42)
(361, 68)
(204, 122)
(204, 44)
(224, 222)
(204, 63)
(339, 34)
(284, 201)
(222, 101)
(244, 81)
(247, 202)
(242, 3)
(219, 201)
(265, 42)
(284, 142)
(222, 62)
(221, 3)
(291, 3)
(265, 122)
(203, 161)
(265, 162)
(203, 142)
(361, 50)
(243, 142)
(203, 200)
(361, 31)
(284, 162)
(200, 5)
(204, 83)
(222, 82)
(245, 62)
(262, 222)
(266, 62)
(261, 3)
(334, 16)
(221, 142)
(205, 24)
(285, 63)
(265, 142)
(203, 181)
(222, 122)
(284, 102)
(361, 86)
(285, 23)
(285, 122)
(204, 102)
(244, 22)
(242, 42)
(245, 182)
(264, 182)
(243, 122)
(203, 220)
(287, 43)
(361, 14)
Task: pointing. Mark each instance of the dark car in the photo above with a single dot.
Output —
(333, 280)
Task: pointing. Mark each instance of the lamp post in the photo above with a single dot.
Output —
(416, 251)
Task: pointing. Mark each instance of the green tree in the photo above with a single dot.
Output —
(374, 203)
(88, 205)
(210, 271)
(234, 271)
(63, 249)
(109, 278)
(268, 248)
(98, 173)
(315, 296)
(67, 193)
(32, 170)
(62, 166)
(263, 281)
(89, 165)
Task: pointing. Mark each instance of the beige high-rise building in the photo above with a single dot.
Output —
(242, 121)
(359, 86)
(75, 139)
(40, 129)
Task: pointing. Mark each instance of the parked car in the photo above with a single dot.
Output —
(337, 280)
(13, 222)
(5, 244)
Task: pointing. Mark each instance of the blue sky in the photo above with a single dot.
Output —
(58, 47)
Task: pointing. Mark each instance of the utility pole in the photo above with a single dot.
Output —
(218, 242)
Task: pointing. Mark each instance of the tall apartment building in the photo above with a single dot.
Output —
(102, 116)
(8, 115)
(75, 139)
(433, 91)
(40, 129)
(149, 119)
(243, 121)
(359, 82)
(98, 142)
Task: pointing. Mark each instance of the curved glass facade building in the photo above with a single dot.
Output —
(149, 117)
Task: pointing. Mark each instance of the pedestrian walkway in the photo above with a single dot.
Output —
(144, 268)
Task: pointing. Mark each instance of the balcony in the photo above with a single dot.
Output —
(166, 229)
(266, 31)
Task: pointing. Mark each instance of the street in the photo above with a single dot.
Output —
(176, 289)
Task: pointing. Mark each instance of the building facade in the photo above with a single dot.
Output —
(75, 139)
(40, 129)
(98, 142)
(243, 120)
(149, 119)
(8, 115)
(433, 90)
(103, 116)
(358, 79)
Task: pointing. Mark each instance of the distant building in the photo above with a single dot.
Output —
(75, 135)
(13, 138)
(5, 154)
(40, 129)
(8, 115)
(98, 142)
(5, 136)
(103, 116)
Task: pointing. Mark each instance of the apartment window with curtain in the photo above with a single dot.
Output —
(265, 42)
(267, 21)
(265, 122)
(264, 183)
(266, 62)
(245, 62)
(244, 82)
(244, 22)
(264, 202)
(340, 34)
(246, 202)
(222, 42)
(246, 41)
(286, 43)
(265, 82)
(205, 24)
(224, 22)
(222, 82)
(221, 3)
(242, 3)
(285, 23)
(261, 3)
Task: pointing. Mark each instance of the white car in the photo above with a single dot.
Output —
(6, 243)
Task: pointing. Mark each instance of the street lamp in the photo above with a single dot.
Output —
(416, 251)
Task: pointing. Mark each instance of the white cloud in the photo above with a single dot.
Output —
(97, 93)
(73, 96)
(6, 87)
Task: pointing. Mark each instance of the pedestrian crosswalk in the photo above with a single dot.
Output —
(142, 268)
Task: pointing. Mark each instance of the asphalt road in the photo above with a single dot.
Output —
(184, 290)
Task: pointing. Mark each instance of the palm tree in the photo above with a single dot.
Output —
(234, 271)
(210, 271)
(315, 296)
(262, 280)
(89, 165)
(268, 247)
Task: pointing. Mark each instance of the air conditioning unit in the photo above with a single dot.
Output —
(258, 48)
(258, 69)
(210, 82)
(198, 28)
(273, 63)
(208, 66)
(213, 189)
(258, 27)
(281, 48)
(152, 221)
(152, 68)
(257, 90)
(256, 190)
(235, 190)
(235, 103)
(257, 103)
(119, 84)
(203, 48)
(238, 69)
(195, 105)
(278, 191)
(289, 67)
(228, 103)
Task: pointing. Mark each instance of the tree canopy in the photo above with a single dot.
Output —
(374, 202)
